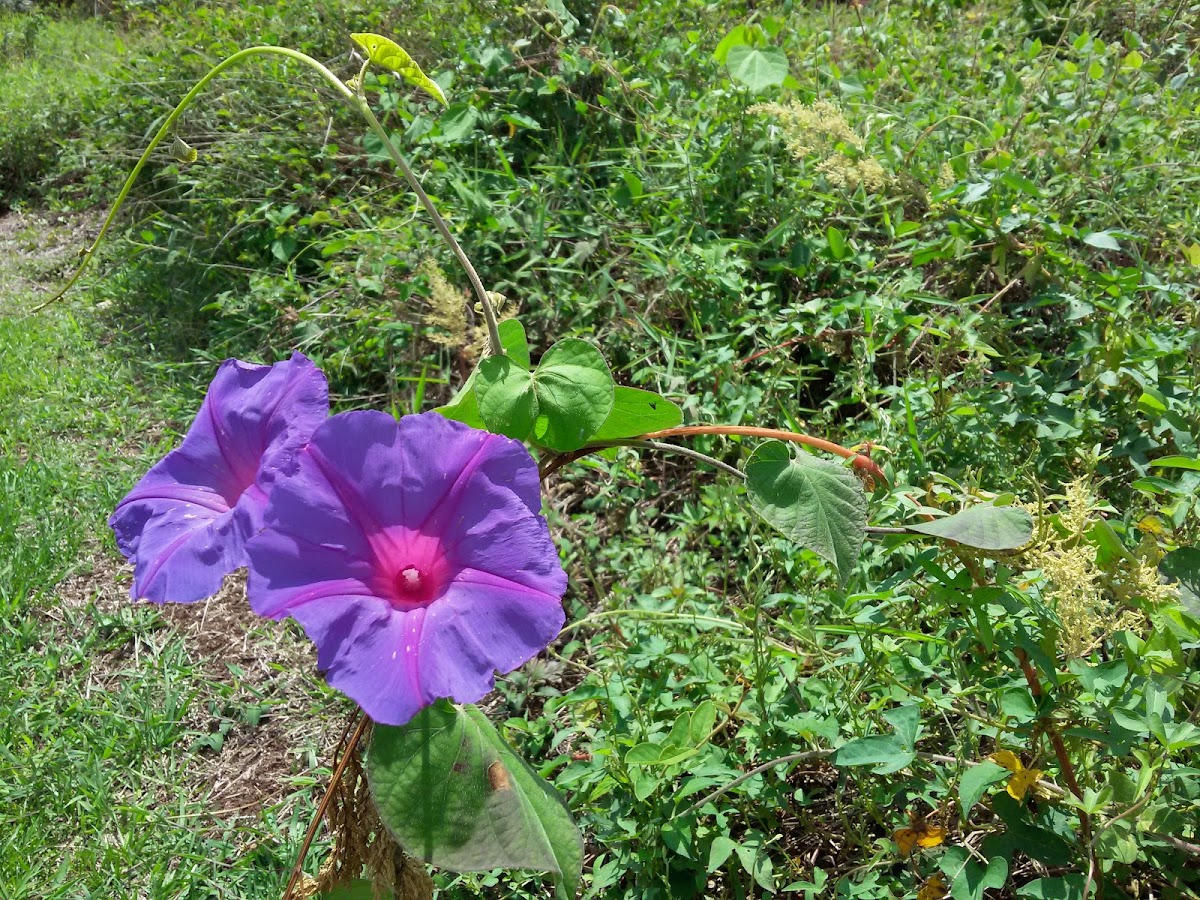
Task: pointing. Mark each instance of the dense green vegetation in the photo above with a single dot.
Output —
(965, 233)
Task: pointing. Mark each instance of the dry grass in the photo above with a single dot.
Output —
(263, 724)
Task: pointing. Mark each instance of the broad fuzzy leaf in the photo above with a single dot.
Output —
(983, 527)
(817, 504)
(454, 794)
(758, 68)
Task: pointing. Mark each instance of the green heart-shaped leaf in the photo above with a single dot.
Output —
(971, 879)
(758, 68)
(636, 412)
(456, 123)
(574, 391)
(883, 751)
(508, 404)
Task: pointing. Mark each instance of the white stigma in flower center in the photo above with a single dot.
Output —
(410, 579)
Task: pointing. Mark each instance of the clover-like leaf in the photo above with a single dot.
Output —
(387, 53)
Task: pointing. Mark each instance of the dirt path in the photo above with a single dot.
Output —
(39, 249)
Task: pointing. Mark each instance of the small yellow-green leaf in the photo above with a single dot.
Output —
(387, 53)
(1133, 60)
(182, 152)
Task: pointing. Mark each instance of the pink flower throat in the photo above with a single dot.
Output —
(414, 588)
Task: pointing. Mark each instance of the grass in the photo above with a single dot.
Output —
(53, 69)
(111, 707)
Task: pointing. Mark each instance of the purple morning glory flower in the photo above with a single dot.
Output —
(186, 523)
(414, 555)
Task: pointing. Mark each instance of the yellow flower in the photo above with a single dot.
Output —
(933, 889)
(1022, 779)
(919, 833)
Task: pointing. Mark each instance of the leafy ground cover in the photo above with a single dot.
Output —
(964, 233)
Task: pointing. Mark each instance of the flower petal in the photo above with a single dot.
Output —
(185, 524)
(371, 498)
(417, 468)
(484, 623)
(368, 651)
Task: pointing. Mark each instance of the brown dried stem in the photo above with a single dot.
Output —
(1060, 751)
(339, 769)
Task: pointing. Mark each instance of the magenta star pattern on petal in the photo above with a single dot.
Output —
(185, 524)
(415, 557)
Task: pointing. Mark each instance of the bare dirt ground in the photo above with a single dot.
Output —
(253, 737)
(38, 248)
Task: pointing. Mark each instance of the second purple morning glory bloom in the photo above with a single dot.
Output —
(415, 557)
(185, 524)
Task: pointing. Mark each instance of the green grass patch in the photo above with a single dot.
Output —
(51, 72)
(105, 702)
